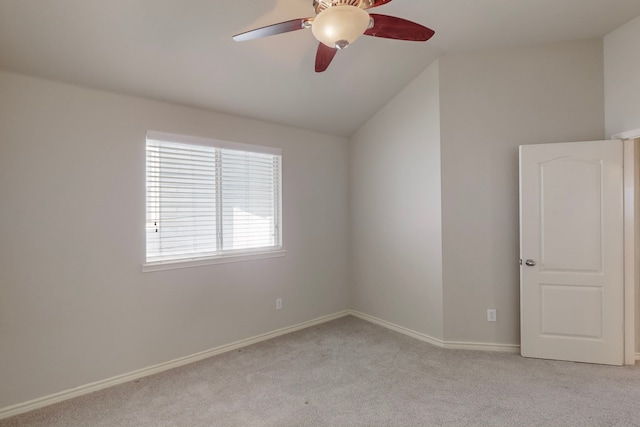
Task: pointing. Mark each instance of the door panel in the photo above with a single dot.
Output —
(571, 215)
(571, 311)
(571, 227)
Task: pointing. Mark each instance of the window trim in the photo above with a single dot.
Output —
(228, 256)
(220, 259)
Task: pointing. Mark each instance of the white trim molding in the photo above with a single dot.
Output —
(150, 370)
(221, 259)
(482, 346)
(397, 328)
(631, 182)
(460, 345)
(632, 134)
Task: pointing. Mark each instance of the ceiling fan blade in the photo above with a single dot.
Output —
(324, 57)
(391, 27)
(377, 3)
(271, 30)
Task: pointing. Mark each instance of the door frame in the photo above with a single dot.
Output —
(631, 165)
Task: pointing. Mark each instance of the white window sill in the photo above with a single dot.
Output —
(222, 259)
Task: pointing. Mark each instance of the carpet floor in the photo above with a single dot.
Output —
(350, 372)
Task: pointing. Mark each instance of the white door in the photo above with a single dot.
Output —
(571, 247)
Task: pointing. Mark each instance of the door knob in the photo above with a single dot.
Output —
(530, 262)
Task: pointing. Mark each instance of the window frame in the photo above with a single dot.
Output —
(223, 256)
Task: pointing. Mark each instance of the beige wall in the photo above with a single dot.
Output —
(472, 110)
(491, 102)
(74, 305)
(396, 243)
(622, 78)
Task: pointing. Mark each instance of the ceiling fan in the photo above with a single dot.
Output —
(338, 23)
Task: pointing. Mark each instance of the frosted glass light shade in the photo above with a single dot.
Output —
(339, 26)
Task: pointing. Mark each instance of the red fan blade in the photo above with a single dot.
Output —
(390, 27)
(377, 3)
(270, 30)
(324, 57)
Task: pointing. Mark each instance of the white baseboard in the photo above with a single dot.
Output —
(119, 379)
(461, 345)
(398, 328)
(637, 356)
(483, 346)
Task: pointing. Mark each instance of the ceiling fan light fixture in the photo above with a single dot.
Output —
(340, 25)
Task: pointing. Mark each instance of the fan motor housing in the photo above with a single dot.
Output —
(320, 5)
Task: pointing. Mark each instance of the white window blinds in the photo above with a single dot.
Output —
(210, 198)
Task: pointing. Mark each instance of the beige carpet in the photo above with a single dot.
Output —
(352, 373)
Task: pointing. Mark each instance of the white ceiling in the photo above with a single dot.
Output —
(181, 50)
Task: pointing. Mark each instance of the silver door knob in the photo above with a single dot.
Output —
(530, 262)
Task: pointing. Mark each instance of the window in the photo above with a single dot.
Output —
(209, 199)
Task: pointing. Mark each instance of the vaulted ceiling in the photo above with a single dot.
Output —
(181, 50)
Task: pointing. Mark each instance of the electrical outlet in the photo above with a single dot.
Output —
(491, 315)
(278, 303)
